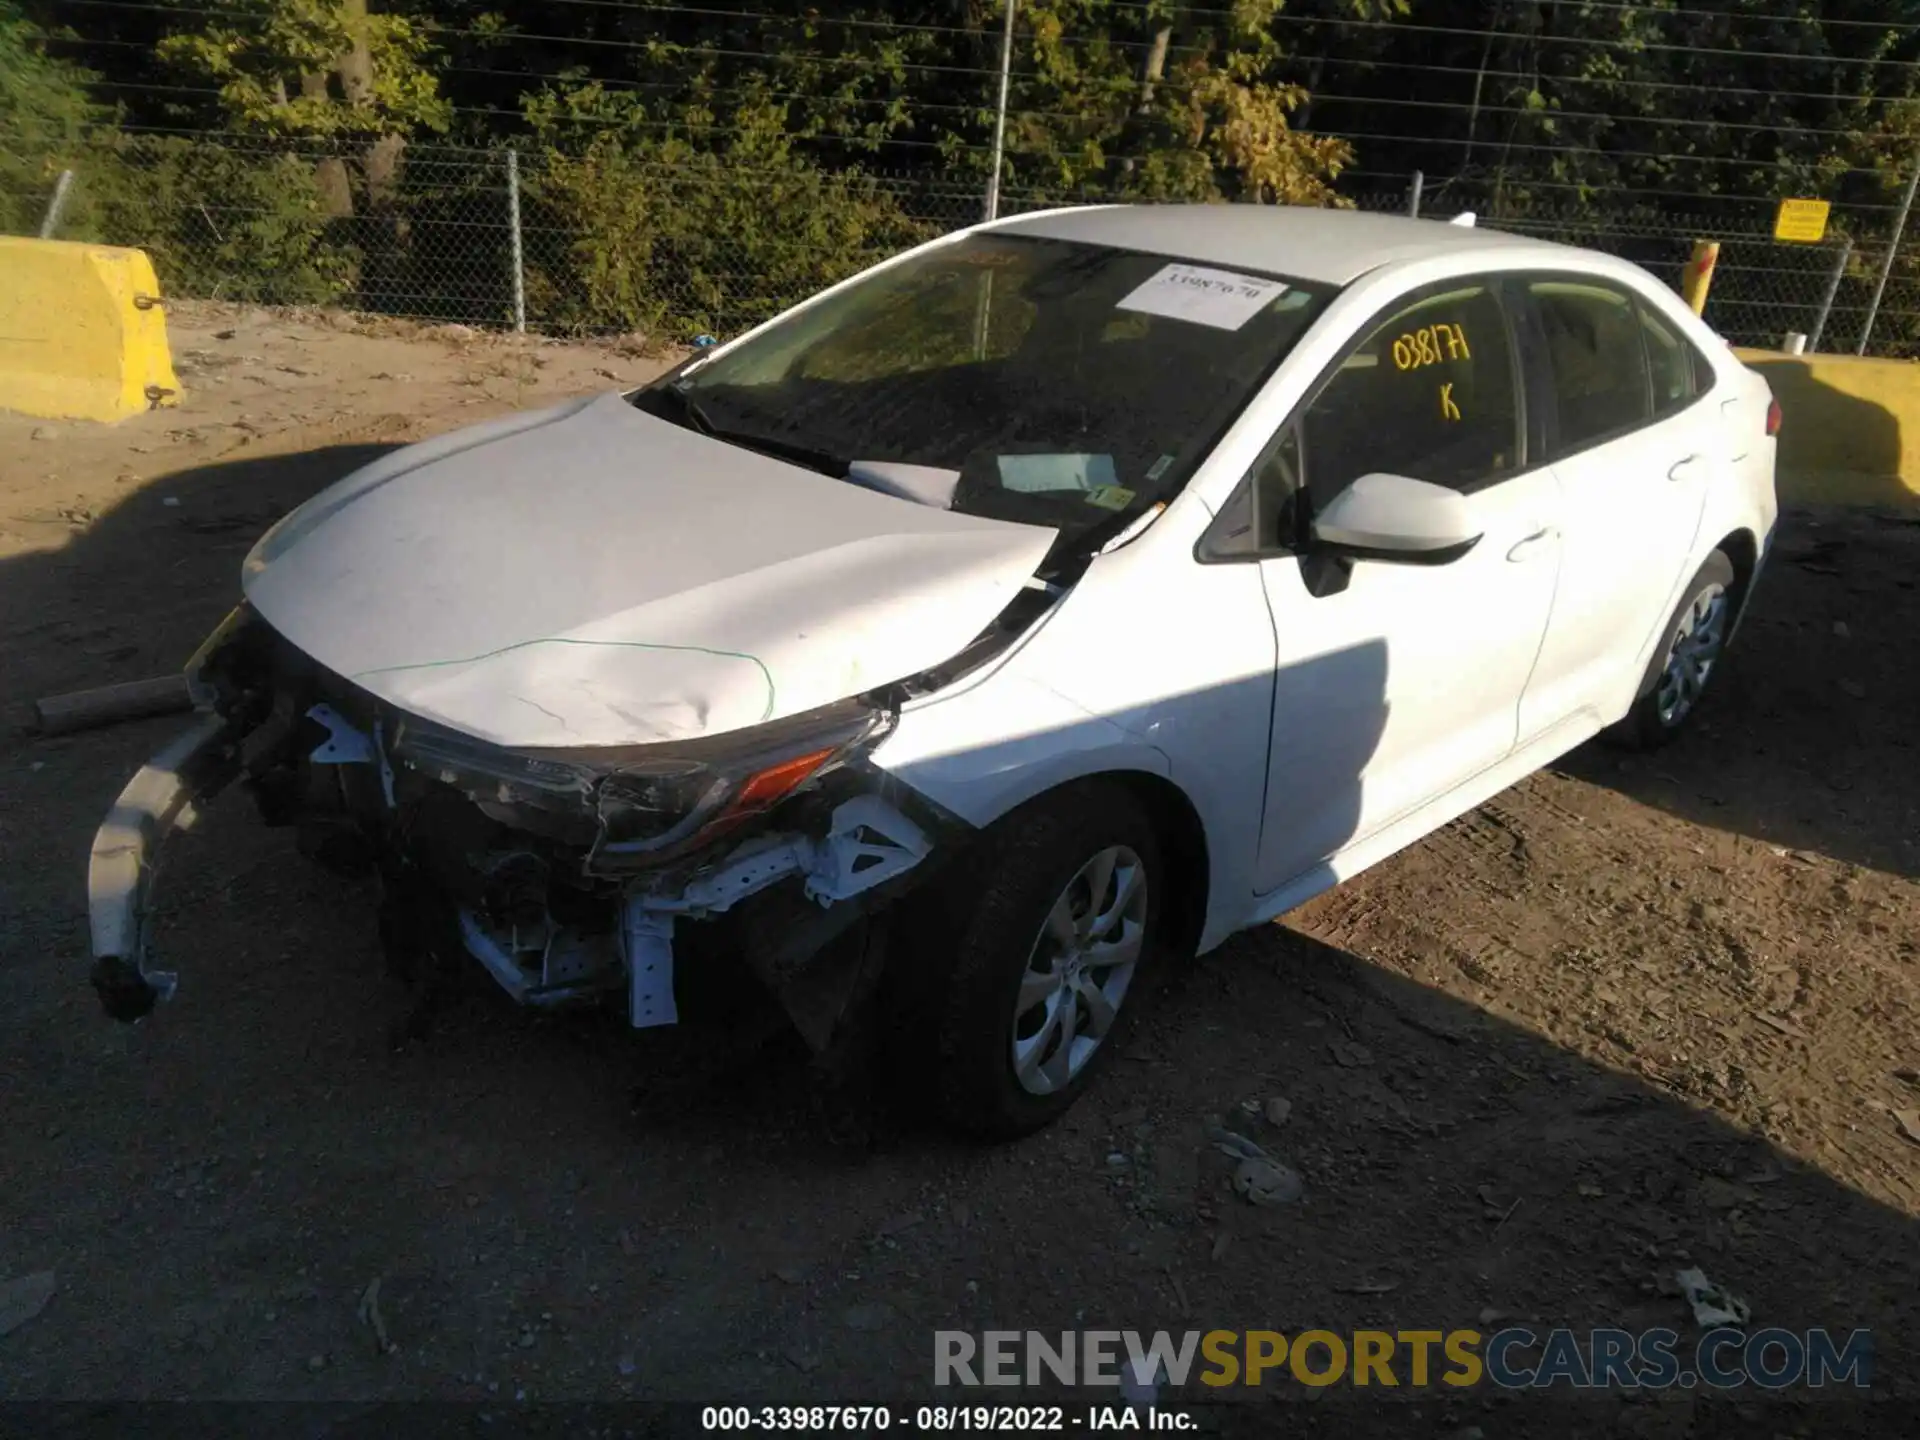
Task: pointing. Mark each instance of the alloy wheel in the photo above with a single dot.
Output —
(1697, 644)
(1078, 970)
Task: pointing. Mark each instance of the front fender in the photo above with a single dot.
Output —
(952, 750)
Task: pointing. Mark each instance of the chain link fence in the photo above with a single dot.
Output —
(600, 243)
(1763, 289)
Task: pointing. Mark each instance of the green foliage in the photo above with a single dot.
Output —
(631, 230)
(693, 167)
(45, 116)
(311, 68)
(217, 222)
(1568, 104)
(1162, 102)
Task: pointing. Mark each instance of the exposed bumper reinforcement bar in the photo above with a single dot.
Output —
(126, 855)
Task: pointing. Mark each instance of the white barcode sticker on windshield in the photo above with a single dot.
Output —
(1219, 298)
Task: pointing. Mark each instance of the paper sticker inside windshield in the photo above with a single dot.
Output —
(1219, 298)
(1039, 474)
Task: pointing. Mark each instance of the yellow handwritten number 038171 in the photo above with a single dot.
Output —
(1430, 345)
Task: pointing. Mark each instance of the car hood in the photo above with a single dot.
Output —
(594, 575)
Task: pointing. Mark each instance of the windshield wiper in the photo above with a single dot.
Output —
(690, 408)
(825, 461)
(697, 418)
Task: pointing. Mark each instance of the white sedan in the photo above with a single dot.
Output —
(1060, 596)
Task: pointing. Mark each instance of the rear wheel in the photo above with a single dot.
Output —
(1686, 659)
(1053, 926)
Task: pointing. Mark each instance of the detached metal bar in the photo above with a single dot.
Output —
(1413, 195)
(126, 853)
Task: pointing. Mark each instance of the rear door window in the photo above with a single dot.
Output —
(1601, 386)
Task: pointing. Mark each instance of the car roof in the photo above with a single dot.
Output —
(1333, 247)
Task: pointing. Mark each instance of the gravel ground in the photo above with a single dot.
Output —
(1634, 1015)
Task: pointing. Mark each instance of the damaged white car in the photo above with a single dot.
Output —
(1071, 591)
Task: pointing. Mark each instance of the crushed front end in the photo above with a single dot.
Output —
(571, 875)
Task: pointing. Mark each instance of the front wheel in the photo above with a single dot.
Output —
(1055, 924)
(1686, 659)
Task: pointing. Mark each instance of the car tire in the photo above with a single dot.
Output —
(1689, 653)
(1035, 964)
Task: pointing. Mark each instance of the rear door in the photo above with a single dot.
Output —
(1395, 682)
(1635, 450)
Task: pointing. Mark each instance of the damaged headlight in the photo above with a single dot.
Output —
(639, 806)
(199, 684)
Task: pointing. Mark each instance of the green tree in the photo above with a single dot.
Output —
(1163, 101)
(312, 68)
(673, 234)
(328, 70)
(46, 116)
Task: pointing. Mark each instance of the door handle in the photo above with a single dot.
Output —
(1533, 546)
(1684, 469)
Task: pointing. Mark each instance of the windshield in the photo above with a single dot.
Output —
(1068, 385)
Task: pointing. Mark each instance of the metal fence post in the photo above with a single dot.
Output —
(1413, 195)
(50, 222)
(515, 258)
(1886, 263)
(1000, 116)
(1833, 288)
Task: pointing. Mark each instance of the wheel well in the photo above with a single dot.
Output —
(1743, 552)
(1183, 841)
(1176, 825)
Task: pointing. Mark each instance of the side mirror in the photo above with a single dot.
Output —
(1397, 519)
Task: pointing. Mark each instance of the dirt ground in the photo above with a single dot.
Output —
(1636, 1014)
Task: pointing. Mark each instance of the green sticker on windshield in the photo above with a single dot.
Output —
(1110, 497)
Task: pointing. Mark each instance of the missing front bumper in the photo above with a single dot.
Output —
(867, 846)
(861, 853)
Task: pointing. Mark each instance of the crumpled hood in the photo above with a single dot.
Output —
(594, 575)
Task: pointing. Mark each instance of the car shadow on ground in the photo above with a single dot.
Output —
(133, 591)
(216, 1188)
(1806, 740)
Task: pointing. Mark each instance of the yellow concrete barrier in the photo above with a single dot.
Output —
(1849, 428)
(82, 333)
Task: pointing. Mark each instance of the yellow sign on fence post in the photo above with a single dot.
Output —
(1801, 221)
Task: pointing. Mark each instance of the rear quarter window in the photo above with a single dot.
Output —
(1680, 374)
